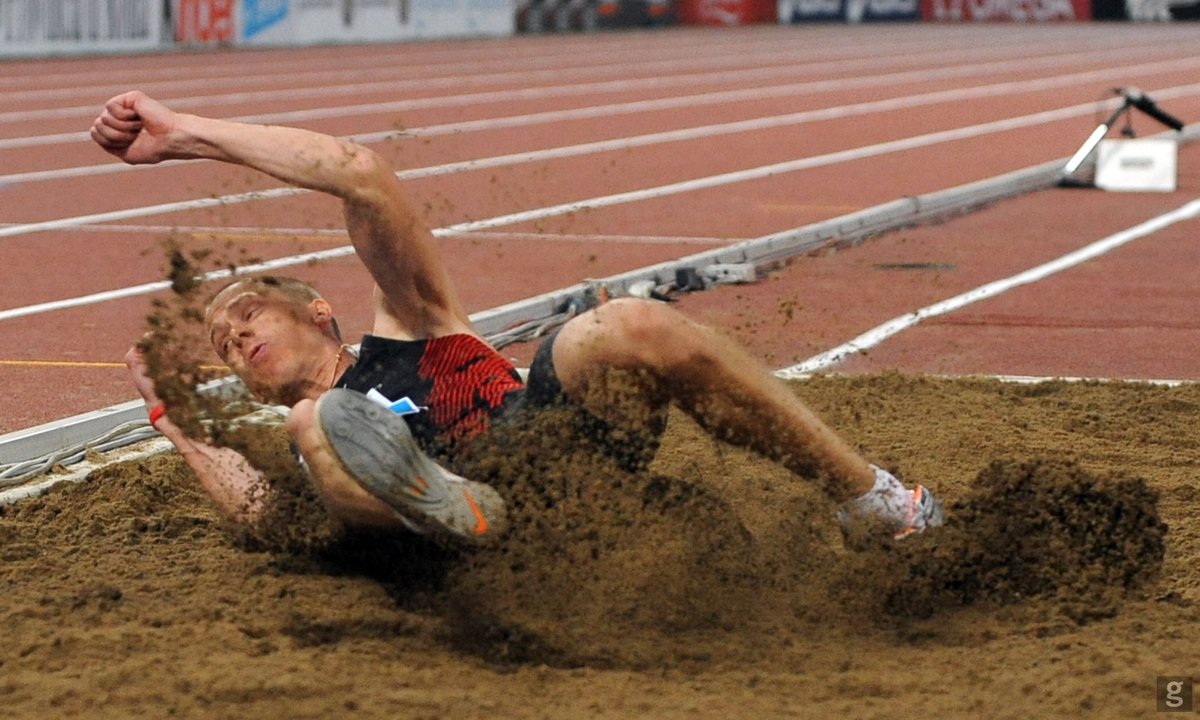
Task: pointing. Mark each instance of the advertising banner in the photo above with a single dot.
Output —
(850, 11)
(301, 22)
(1006, 10)
(724, 12)
(258, 16)
(205, 22)
(40, 27)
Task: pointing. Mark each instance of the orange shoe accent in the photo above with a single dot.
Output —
(481, 522)
(418, 491)
(908, 529)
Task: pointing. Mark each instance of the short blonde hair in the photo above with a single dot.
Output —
(296, 293)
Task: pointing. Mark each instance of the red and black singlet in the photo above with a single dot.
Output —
(460, 382)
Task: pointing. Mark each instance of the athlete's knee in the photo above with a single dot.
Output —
(660, 336)
(341, 494)
(301, 420)
(644, 328)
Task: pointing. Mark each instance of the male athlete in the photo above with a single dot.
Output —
(366, 459)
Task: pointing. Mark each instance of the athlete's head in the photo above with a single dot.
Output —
(274, 333)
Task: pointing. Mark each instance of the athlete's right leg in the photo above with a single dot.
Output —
(369, 470)
(344, 497)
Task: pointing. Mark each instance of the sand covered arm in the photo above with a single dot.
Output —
(239, 490)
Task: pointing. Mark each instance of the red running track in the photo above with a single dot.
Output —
(775, 127)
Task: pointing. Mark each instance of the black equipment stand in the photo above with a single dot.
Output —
(1134, 98)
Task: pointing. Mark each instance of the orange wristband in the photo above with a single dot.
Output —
(156, 413)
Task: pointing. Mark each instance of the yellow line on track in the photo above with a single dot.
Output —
(59, 363)
(81, 364)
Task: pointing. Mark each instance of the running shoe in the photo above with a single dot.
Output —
(377, 449)
(922, 510)
(925, 512)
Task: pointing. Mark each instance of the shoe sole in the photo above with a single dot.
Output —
(378, 451)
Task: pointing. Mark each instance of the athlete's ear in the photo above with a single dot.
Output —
(320, 311)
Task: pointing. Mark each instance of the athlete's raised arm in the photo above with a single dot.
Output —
(399, 251)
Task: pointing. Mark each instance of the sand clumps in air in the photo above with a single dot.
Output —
(1038, 529)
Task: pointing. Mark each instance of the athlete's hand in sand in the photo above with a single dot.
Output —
(135, 360)
(135, 128)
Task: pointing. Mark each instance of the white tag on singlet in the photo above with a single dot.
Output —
(403, 406)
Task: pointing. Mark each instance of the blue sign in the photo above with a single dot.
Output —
(261, 15)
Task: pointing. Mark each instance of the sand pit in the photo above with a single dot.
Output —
(715, 585)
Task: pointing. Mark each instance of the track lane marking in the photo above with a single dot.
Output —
(220, 232)
(831, 113)
(512, 218)
(741, 75)
(675, 45)
(774, 63)
(772, 47)
(632, 107)
(880, 333)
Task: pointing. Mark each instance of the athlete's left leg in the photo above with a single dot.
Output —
(731, 395)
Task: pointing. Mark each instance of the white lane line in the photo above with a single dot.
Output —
(678, 41)
(742, 75)
(876, 335)
(1027, 379)
(673, 189)
(604, 239)
(703, 69)
(300, 233)
(420, 63)
(486, 64)
(602, 201)
(148, 210)
(755, 124)
(765, 171)
(607, 200)
(213, 230)
(907, 101)
(151, 287)
(416, 58)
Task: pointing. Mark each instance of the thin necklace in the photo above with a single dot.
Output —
(337, 360)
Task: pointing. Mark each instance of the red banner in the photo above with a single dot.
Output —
(1006, 10)
(724, 12)
(205, 21)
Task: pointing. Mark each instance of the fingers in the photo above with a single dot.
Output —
(114, 133)
(139, 372)
(109, 135)
(119, 124)
(134, 359)
(124, 106)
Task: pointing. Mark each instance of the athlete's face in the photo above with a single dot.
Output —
(274, 345)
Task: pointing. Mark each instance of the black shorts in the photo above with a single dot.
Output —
(633, 448)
